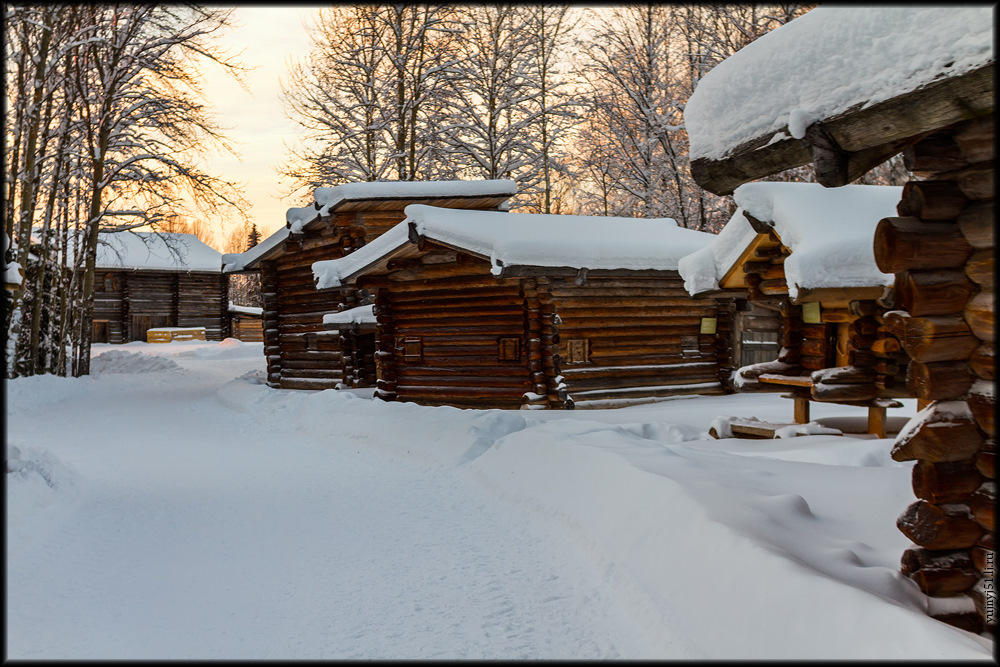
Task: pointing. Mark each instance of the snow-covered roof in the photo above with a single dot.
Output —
(246, 310)
(156, 251)
(327, 199)
(358, 315)
(530, 239)
(238, 261)
(829, 60)
(829, 232)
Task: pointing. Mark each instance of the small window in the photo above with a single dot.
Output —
(413, 350)
(109, 283)
(577, 351)
(510, 349)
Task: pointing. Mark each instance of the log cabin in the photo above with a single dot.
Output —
(479, 309)
(805, 253)
(147, 280)
(301, 352)
(919, 81)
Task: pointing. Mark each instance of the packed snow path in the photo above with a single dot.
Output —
(186, 543)
(172, 506)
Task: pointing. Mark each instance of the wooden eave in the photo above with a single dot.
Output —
(722, 294)
(845, 146)
(132, 269)
(838, 297)
(380, 265)
(531, 271)
(254, 265)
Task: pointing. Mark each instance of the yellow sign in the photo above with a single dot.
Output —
(811, 313)
(708, 325)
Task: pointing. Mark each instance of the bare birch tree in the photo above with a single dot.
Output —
(368, 95)
(107, 132)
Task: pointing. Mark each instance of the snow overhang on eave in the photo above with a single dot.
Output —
(843, 147)
(370, 204)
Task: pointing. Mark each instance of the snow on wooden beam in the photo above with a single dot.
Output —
(857, 139)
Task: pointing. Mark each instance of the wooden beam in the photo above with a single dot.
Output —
(863, 133)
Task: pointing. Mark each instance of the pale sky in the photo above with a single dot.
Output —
(271, 36)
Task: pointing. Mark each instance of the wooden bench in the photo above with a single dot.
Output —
(803, 384)
(168, 334)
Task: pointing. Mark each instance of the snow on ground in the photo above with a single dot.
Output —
(171, 505)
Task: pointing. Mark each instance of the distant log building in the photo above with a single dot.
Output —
(844, 121)
(147, 280)
(301, 353)
(504, 310)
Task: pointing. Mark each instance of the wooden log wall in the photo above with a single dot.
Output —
(941, 248)
(727, 346)
(765, 271)
(307, 356)
(139, 300)
(247, 328)
(150, 302)
(202, 300)
(441, 338)
(857, 332)
(359, 359)
(300, 352)
(269, 322)
(385, 347)
(640, 337)
(357, 346)
(109, 304)
(547, 389)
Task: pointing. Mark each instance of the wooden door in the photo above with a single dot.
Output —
(99, 331)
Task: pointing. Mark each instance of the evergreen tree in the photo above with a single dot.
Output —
(253, 238)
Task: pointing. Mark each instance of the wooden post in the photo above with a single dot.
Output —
(801, 410)
(876, 421)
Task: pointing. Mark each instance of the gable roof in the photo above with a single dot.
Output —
(241, 261)
(371, 196)
(829, 232)
(511, 240)
(841, 66)
(162, 251)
